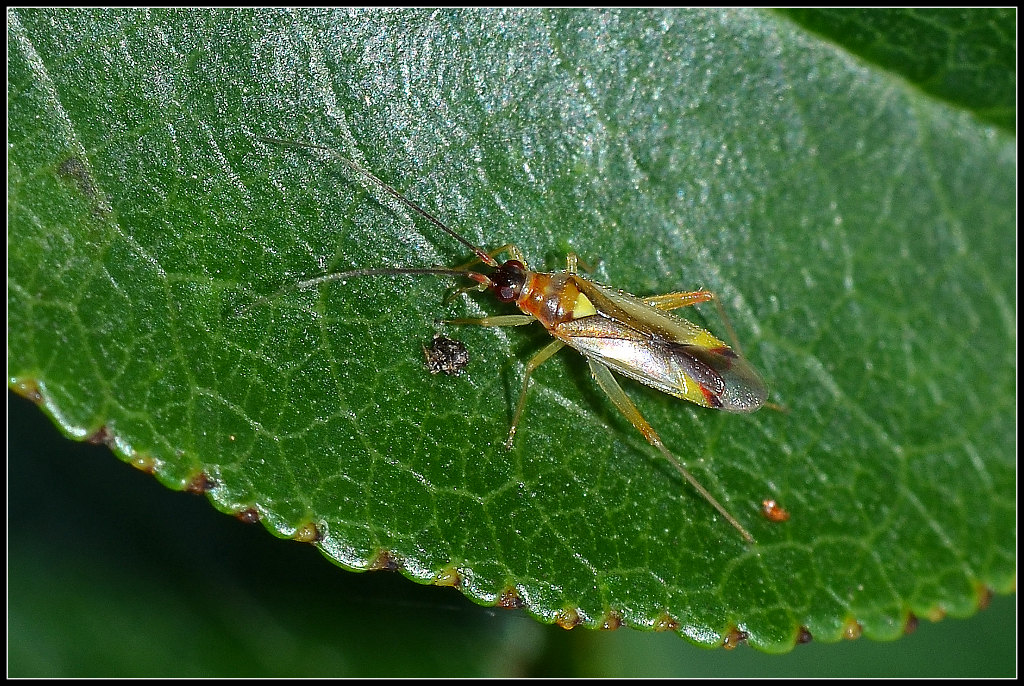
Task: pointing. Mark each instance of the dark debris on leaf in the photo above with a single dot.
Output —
(200, 484)
(510, 599)
(446, 355)
(249, 515)
(385, 561)
(734, 638)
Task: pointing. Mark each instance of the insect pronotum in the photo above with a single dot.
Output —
(634, 336)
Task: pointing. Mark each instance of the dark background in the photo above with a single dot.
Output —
(111, 574)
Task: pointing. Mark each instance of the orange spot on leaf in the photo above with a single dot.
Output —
(773, 512)
(568, 618)
(666, 622)
(307, 533)
(852, 629)
(249, 515)
(612, 621)
(734, 637)
(510, 599)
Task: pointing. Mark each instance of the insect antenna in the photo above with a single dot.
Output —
(342, 276)
(390, 190)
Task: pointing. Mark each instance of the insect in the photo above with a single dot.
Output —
(446, 355)
(636, 337)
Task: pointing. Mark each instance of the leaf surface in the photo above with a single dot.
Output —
(861, 237)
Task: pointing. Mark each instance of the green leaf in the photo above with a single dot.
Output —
(963, 56)
(861, 237)
(111, 574)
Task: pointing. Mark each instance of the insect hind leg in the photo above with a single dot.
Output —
(673, 301)
(611, 387)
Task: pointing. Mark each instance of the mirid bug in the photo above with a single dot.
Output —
(634, 336)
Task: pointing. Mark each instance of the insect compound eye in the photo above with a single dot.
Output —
(508, 280)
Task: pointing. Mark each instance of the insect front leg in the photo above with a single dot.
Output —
(499, 320)
(459, 290)
(611, 387)
(536, 361)
(515, 252)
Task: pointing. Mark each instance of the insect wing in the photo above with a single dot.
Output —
(663, 351)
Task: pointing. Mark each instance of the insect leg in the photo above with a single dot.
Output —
(536, 361)
(672, 301)
(499, 320)
(456, 292)
(515, 252)
(574, 261)
(610, 386)
(571, 262)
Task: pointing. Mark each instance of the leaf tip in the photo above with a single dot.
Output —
(144, 463)
(612, 621)
(984, 595)
(28, 389)
(666, 622)
(910, 626)
(101, 436)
